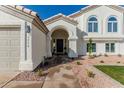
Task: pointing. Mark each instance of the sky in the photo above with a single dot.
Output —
(46, 11)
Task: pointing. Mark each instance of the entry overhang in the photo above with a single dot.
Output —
(60, 17)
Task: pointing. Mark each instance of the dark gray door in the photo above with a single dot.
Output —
(59, 45)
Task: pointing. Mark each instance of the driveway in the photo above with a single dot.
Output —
(6, 77)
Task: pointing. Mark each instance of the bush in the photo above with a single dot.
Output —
(78, 63)
(91, 57)
(101, 61)
(105, 55)
(90, 74)
(40, 72)
(94, 55)
(118, 62)
(119, 55)
(100, 54)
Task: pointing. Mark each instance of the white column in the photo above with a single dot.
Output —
(49, 54)
(73, 47)
(26, 48)
(23, 42)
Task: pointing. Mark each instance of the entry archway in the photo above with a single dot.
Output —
(59, 42)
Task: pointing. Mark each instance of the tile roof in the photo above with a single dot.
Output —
(25, 10)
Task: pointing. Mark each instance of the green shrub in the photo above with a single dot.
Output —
(90, 47)
(101, 61)
(78, 63)
(40, 72)
(90, 74)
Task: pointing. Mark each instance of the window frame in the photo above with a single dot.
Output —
(92, 25)
(109, 48)
(92, 49)
(112, 25)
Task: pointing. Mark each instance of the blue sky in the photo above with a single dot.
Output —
(46, 11)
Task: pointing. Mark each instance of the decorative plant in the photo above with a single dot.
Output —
(100, 54)
(119, 55)
(40, 72)
(90, 74)
(118, 62)
(78, 63)
(90, 47)
(65, 50)
(101, 61)
(94, 55)
(105, 55)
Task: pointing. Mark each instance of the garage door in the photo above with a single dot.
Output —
(9, 48)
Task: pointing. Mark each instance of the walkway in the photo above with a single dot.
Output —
(61, 76)
(66, 73)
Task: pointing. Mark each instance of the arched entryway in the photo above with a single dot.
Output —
(59, 42)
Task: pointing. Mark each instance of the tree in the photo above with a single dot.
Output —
(90, 49)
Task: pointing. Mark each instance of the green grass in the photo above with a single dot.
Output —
(116, 72)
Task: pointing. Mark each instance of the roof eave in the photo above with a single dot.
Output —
(58, 17)
(33, 15)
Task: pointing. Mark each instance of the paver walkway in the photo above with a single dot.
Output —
(61, 77)
(71, 75)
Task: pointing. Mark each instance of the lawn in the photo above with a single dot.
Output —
(116, 72)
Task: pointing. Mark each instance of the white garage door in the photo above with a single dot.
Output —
(9, 48)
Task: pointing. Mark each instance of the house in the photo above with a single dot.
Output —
(23, 38)
(26, 40)
(70, 35)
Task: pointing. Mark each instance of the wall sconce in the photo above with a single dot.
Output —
(28, 29)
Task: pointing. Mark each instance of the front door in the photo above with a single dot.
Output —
(59, 45)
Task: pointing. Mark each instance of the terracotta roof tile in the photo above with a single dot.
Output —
(23, 9)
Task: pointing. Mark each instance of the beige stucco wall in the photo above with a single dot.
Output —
(71, 29)
(10, 41)
(60, 34)
(38, 46)
(102, 13)
(32, 45)
(7, 19)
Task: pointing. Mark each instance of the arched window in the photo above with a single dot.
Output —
(92, 24)
(112, 24)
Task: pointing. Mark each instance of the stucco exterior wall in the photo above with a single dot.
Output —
(11, 38)
(39, 50)
(100, 48)
(72, 32)
(61, 24)
(7, 19)
(102, 13)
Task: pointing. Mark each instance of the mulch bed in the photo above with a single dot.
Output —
(29, 76)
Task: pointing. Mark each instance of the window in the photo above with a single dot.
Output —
(92, 24)
(107, 47)
(110, 47)
(112, 24)
(93, 47)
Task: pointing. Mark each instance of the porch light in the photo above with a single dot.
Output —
(28, 29)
